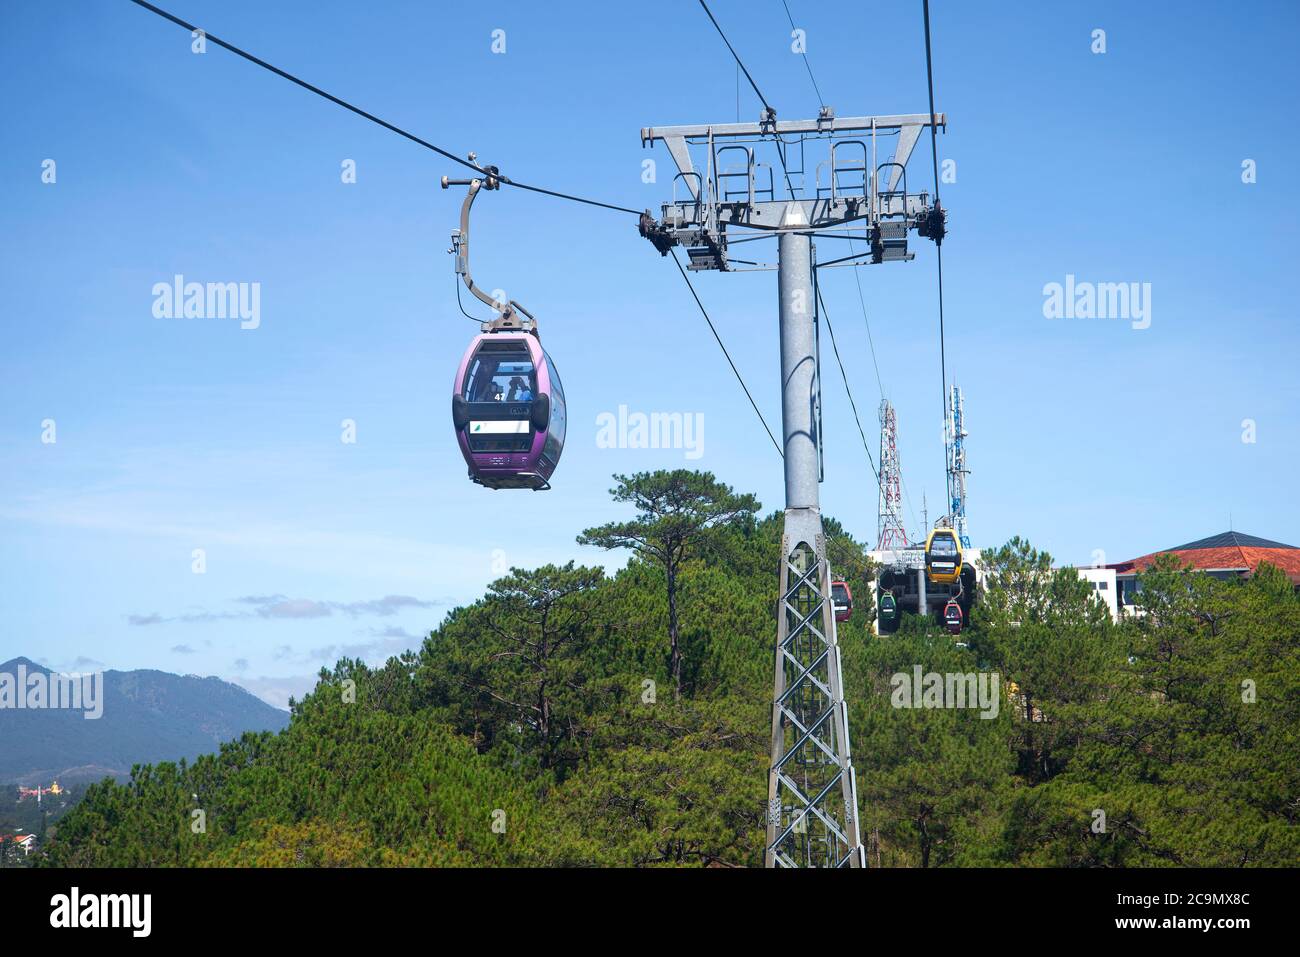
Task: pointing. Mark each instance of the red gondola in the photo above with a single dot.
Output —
(842, 601)
(953, 617)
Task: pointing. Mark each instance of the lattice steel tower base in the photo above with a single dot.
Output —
(812, 791)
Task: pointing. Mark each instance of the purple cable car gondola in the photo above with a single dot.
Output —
(507, 405)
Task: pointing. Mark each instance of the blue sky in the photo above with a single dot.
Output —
(174, 435)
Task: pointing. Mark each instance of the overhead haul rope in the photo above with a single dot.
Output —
(938, 242)
(714, 330)
(834, 346)
(370, 116)
(769, 114)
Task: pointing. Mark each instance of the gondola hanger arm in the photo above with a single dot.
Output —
(507, 320)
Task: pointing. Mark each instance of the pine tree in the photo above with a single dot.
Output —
(677, 514)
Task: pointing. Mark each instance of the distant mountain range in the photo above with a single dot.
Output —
(148, 716)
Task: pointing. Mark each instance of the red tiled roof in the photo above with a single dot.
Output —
(1286, 559)
(1238, 556)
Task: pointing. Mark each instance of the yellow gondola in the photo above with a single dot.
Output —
(943, 557)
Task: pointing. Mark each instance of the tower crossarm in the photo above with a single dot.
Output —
(728, 191)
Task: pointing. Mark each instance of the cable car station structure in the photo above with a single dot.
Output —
(903, 574)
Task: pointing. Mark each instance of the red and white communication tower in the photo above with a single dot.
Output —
(889, 530)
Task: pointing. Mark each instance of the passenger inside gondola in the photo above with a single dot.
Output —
(494, 379)
(519, 391)
(944, 546)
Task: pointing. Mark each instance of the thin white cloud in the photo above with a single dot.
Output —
(392, 631)
(295, 608)
(153, 618)
(280, 607)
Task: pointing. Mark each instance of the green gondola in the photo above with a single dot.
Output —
(888, 614)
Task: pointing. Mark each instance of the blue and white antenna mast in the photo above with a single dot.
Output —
(957, 470)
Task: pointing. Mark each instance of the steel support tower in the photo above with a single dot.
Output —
(812, 813)
(889, 526)
(957, 470)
